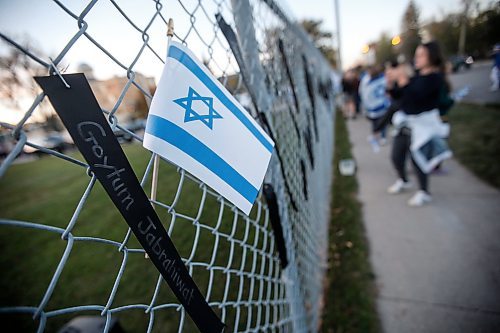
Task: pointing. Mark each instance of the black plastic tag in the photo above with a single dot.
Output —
(80, 112)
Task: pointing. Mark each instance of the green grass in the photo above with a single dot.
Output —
(350, 297)
(475, 139)
(47, 191)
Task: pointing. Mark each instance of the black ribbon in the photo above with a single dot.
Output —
(81, 114)
(292, 85)
(309, 145)
(233, 44)
(284, 57)
(304, 179)
(274, 217)
(310, 91)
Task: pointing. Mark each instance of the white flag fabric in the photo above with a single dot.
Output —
(195, 123)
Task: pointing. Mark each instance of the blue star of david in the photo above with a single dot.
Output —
(191, 115)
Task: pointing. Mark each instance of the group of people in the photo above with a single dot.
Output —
(414, 98)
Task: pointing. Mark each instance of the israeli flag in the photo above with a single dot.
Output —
(195, 123)
(373, 96)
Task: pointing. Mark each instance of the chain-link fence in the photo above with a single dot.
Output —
(65, 250)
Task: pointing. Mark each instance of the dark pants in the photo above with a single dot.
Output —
(400, 149)
(357, 103)
(375, 125)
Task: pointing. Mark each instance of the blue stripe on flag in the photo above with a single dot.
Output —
(176, 136)
(181, 56)
(378, 108)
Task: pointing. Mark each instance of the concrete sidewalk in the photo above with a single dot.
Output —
(438, 266)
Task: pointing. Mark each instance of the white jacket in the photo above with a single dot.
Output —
(427, 146)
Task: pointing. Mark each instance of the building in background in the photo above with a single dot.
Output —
(134, 104)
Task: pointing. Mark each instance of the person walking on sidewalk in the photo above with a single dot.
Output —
(375, 101)
(350, 86)
(420, 128)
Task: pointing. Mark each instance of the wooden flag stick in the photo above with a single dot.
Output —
(156, 161)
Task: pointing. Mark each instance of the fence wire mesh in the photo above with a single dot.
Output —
(66, 252)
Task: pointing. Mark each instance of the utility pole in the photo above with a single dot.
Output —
(463, 27)
(337, 23)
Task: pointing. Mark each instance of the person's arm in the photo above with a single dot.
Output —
(402, 75)
(397, 80)
(403, 81)
(386, 118)
(395, 92)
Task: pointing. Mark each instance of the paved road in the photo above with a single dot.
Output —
(478, 79)
(437, 267)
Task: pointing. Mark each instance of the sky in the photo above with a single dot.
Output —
(46, 26)
(362, 21)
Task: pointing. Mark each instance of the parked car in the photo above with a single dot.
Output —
(461, 62)
(122, 136)
(54, 141)
(6, 144)
(133, 126)
(136, 125)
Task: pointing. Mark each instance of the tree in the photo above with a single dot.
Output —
(463, 27)
(314, 30)
(16, 83)
(322, 39)
(383, 51)
(410, 27)
(482, 31)
(446, 31)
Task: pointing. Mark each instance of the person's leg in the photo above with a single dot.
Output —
(400, 148)
(422, 196)
(352, 108)
(495, 78)
(346, 108)
(422, 177)
(498, 78)
(374, 124)
(383, 131)
(398, 155)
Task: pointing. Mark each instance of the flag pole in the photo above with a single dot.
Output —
(156, 158)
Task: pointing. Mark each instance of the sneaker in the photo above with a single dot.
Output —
(419, 199)
(399, 186)
(374, 143)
